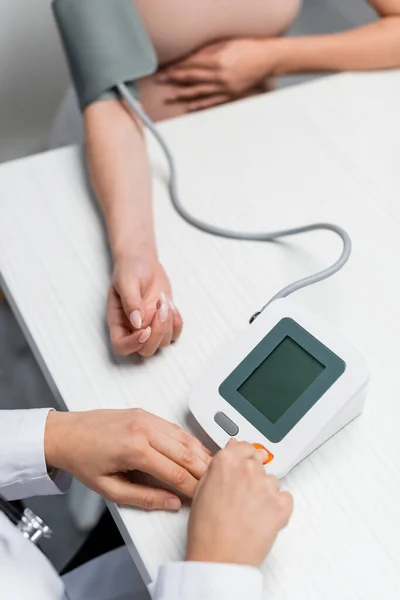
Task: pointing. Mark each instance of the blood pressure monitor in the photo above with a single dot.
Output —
(288, 383)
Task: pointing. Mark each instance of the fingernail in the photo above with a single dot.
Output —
(136, 319)
(173, 308)
(144, 336)
(172, 504)
(163, 310)
(163, 313)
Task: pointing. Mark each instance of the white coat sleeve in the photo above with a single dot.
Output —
(23, 471)
(208, 581)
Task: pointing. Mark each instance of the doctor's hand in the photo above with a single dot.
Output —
(102, 447)
(140, 313)
(238, 510)
(221, 72)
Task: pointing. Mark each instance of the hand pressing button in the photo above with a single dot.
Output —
(269, 455)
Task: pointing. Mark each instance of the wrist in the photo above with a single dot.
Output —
(57, 433)
(136, 245)
(305, 55)
(145, 253)
(275, 52)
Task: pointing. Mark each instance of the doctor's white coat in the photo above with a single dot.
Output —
(25, 573)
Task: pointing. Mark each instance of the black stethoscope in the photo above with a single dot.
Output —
(31, 526)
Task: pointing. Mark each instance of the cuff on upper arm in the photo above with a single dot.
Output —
(23, 470)
(113, 95)
(208, 581)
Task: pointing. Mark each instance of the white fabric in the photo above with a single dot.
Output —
(208, 581)
(24, 570)
(26, 573)
(23, 471)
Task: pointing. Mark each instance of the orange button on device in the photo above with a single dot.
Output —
(269, 457)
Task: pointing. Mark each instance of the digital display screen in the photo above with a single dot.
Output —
(281, 379)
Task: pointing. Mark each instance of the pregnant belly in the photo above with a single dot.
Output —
(178, 27)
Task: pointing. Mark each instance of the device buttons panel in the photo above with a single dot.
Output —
(269, 455)
(227, 425)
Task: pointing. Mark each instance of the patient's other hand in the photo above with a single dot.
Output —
(140, 313)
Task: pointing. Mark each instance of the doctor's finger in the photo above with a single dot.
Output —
(177, 433)
(169, 472)
(120, 490)
(193, 459)
(172, 430)
(240, 450)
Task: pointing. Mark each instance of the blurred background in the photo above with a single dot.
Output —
(33, 81)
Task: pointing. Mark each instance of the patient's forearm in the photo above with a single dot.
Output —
(120, 175)
(375, 46)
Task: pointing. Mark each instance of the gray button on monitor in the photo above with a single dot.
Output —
(227, 425)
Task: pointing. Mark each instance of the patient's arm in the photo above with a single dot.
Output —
(139, 320)
(120, 173)
(226, 70)
(374, 46)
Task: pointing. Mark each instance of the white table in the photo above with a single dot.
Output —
(325, 151)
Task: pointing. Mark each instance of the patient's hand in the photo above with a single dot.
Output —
(221, 72)
(140, 314)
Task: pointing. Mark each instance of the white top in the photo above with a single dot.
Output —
(26, 573)
(323, 151)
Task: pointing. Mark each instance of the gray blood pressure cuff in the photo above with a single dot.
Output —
(105, 43)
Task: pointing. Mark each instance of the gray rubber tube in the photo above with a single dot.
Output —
(239, 235)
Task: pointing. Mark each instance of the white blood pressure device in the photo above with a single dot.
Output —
(287, 384)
